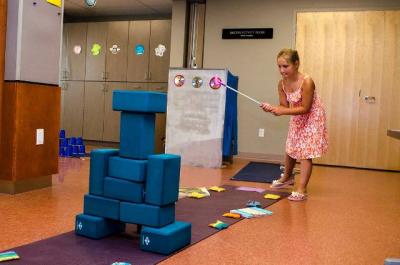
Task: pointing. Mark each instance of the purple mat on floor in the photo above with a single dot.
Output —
(258, 172)
(71, 249)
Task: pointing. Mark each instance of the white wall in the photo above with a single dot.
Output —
(254, 61)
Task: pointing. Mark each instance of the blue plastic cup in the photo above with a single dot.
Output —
(79, 141)
(69, 151)
(73, 141)
(82, 151)
(75, 150)
(62, 133)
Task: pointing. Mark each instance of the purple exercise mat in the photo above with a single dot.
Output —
(66, 249)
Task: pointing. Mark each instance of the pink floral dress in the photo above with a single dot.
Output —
(308, 135)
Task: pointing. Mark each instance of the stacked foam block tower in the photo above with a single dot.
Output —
(133, 185)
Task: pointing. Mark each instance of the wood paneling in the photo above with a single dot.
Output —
(29, 107)
(3, 28)
(353, 57)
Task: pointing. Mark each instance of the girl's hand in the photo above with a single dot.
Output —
(266, 107)
(277, 110)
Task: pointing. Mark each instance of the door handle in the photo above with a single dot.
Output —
(370, 99)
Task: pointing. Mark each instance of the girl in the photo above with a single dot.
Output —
(307, 136)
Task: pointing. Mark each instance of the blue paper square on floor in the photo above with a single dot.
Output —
(167, 239)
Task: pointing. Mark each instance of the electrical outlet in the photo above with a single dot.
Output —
(39, 136)
(261, 132)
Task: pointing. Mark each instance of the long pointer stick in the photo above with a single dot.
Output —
(216, 83)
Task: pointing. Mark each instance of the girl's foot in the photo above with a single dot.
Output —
(282, 183)
(297, 196)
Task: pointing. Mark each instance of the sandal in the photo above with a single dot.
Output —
(277, 184)
(297, 196)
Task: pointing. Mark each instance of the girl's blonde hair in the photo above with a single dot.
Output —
(290, 55)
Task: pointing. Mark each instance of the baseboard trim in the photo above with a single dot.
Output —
(269, 158)
(14, 187)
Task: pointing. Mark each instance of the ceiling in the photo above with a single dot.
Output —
(118, 8)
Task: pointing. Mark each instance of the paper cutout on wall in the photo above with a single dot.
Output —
(77, 49)
(114, 49)
(55, 2)
(160, 50)
(96, 48)
(139, 49)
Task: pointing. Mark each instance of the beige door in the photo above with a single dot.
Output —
(93, 116)
(352, 59)
(160, 38)
(111, 117)
(72, 107)
(75, 51)
(117, 44)
(96, 51)
(138, 51)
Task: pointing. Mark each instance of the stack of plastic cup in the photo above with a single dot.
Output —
(71, 147)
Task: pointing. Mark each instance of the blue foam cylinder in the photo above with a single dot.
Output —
(167, 239)
(100, 206)
(96, 227)
(123, 190)
(146, 214)
(137, 135)
(162, 183)
(99, 169)
(62, 133)
(128, 169)
(139, 101)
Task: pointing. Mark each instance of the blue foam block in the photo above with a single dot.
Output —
(99, 169)
(96, 227)
(167, 239)
(128, 169)
(162, 184)
(100, 206)
(139, 101)
(146, 214)
(137, 135)
(123, 190)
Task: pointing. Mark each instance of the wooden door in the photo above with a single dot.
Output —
(117, 44)
(93, 116)
(75, 50)
(160, 39)
(72, 107)
(96, 51)
(350, 56)
(138, 51)
(111, 117)
(137, 86)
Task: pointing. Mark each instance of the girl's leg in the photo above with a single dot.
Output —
(289, 165)
(305, 174)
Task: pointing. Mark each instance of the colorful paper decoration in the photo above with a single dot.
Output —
(139, 49)
(9, 255)
(96, 48)
(77, 49)
(115, 49)
(160, 50)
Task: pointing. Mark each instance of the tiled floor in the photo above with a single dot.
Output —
(351, 217)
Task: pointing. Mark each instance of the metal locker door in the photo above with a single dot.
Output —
(117, 44)
(93, 116)
(72, 108)
(138, 51)
(160, 38)
(96, 51)
(76, 51)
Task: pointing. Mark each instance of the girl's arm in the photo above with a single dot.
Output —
(282, 100)
(307, 98)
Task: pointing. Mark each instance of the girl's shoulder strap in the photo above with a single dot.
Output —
(283, 85)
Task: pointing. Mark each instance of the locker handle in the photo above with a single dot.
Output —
(149, 75)
(145, 76)
(370, 99)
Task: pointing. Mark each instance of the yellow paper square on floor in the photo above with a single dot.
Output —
(196, 195)
(55, 2)
(271, 196)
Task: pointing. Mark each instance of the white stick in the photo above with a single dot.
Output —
(252, 99)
